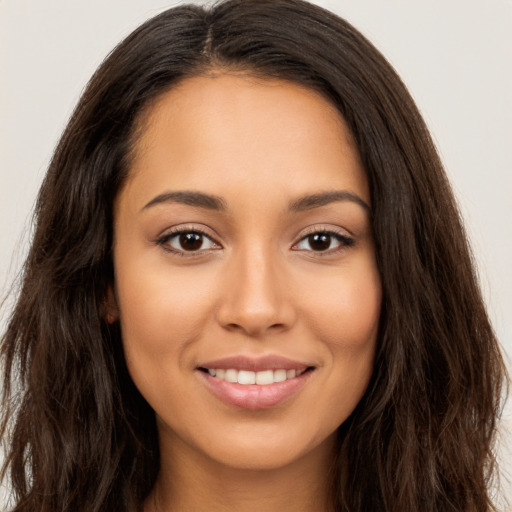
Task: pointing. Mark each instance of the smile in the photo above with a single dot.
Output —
(247, 377)
(255, 384)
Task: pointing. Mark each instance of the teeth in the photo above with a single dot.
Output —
(262, 378)
(231, 376)
(245, 377)
(279, 375)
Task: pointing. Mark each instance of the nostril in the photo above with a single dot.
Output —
(254, 318)
(234, 327)
(254, 329)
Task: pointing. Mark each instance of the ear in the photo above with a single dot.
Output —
(110, 310)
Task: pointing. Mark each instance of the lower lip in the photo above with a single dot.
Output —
(253, 396)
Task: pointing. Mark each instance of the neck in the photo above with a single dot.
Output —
(196, 483)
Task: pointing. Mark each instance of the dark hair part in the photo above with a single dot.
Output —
(81, 438)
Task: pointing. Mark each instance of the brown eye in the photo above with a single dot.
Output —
(190, 241)
(324, 241)
(319, 241)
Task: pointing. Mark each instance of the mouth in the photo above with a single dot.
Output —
(260, 378)
(255, 384)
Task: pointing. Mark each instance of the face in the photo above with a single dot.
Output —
(245, 276)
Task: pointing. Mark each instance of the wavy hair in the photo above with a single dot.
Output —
(79, 435)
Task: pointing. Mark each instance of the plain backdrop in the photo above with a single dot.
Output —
(455, 56)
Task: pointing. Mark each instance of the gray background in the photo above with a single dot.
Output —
(455, 56)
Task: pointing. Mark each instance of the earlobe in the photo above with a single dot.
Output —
(110, 318)
(110, 310)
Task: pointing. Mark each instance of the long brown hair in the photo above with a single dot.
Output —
(79, 435)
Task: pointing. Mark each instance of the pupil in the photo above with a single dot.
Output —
(320, 241)
(191, 241)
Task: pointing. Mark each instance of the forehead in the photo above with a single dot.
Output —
(214, 132)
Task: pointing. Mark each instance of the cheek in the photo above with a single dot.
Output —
(345, 306)
(344, 313)
(162, 311)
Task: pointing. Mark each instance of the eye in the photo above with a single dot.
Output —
(323, 241)
(188, 241)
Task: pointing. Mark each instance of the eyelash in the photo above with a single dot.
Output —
(344, 241)
(163, 241)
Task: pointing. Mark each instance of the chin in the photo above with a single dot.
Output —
(267, 453)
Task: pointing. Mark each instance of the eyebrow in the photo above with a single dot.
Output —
(324, 198)
(211, 202)
(189, 198)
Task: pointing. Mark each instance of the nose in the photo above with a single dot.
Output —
(255, 297)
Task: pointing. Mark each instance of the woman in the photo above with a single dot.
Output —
(249, 287)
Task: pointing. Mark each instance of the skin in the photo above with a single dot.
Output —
(255, 287)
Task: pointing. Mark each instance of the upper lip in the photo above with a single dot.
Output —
(255, 364)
